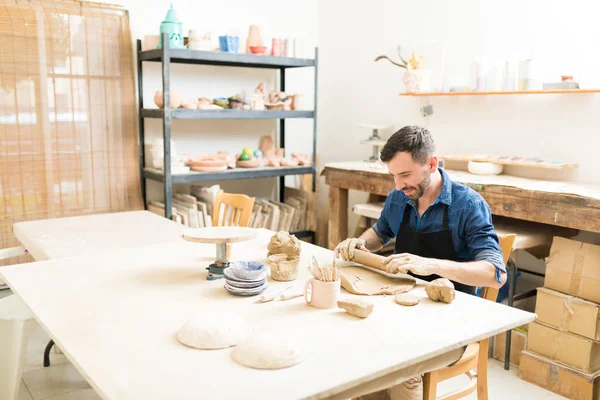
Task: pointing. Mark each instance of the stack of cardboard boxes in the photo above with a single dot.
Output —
(563, 344)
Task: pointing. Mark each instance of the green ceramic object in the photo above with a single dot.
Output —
(245, 157)
(173, 28)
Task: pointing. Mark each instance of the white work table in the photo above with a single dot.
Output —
(116, 318)
(48, 239)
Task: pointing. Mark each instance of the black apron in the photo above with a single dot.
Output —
(428, 244)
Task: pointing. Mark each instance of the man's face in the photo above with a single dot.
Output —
(410, 176)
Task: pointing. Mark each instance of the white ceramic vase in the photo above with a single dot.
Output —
(417, 81)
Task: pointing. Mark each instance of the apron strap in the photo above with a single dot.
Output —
(445, 223)
(406, 215)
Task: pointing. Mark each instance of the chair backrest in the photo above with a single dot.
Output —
(232, 209)
(506, 244)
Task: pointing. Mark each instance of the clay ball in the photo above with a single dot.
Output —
(440, 290)
(283, 242)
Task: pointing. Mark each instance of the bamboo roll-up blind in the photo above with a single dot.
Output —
(68, 117)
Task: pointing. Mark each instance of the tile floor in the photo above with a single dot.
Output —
(62, 381)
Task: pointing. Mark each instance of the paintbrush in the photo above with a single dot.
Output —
(313, 267)
(334, 270)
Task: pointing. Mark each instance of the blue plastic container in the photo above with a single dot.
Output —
(229, 44)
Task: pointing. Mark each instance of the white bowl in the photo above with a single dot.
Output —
(485, 168)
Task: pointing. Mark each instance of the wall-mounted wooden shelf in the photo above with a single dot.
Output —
(562, 91)
(504, 160)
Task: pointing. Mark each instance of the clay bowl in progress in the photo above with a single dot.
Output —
(284, 267)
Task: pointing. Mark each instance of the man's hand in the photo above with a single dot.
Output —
(346, 249)
(402, 263)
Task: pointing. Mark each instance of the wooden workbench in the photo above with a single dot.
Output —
(556, 203)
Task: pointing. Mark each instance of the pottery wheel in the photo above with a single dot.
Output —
(221, 236)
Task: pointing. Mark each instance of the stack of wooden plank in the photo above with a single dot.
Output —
(563, 345)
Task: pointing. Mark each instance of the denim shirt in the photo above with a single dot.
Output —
(469, 220)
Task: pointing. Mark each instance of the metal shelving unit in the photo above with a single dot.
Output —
(166, 56)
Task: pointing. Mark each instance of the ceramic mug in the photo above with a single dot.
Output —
(278, 47)
(323, 294)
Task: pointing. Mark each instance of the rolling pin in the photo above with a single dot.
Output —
(371, 260)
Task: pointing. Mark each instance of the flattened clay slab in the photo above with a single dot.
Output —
(406, 299)
(358, 280)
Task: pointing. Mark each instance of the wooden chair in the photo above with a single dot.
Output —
(474, 361)
(232, 209)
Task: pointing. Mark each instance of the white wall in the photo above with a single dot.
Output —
(353, 88)
(276, 19)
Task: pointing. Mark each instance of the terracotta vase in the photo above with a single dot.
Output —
(254, 38)
(175, 99)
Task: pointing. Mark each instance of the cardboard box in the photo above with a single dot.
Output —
(559, 379)
(564, 347)
(573, 267)
(568, 313)
(518, 343)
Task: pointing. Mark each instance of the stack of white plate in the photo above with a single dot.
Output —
(246, 278)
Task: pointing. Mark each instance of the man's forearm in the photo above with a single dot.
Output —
(474, 273)
(373, 241)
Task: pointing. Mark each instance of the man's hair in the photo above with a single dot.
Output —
(412, 139)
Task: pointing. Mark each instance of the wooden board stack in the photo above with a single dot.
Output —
(195, 210)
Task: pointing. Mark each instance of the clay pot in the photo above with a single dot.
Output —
(295, 101)
(254, 163)
(284, 267)
(175, 99)
(254, 39)
(258, 49)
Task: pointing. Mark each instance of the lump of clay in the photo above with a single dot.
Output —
(268, 350)
(283, 242)
(356, 307)
(214, 330)
(405, 299)
(440, 290)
